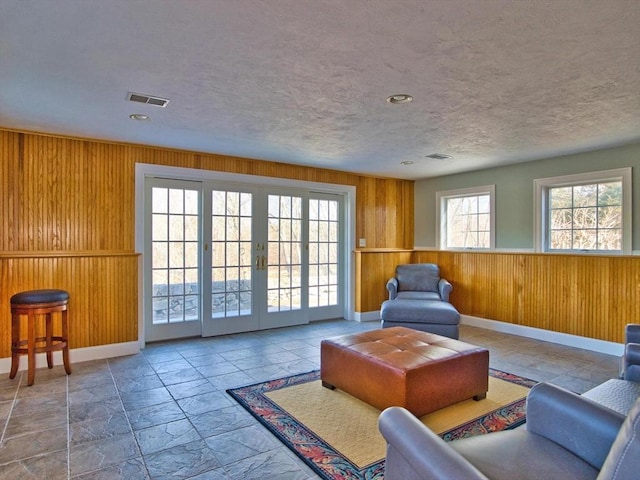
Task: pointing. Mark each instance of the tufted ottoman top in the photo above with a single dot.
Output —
(404, 348)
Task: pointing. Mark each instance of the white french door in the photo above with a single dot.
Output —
(234, 258)
(173, 276)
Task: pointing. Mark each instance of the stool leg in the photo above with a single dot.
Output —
(15, 340)
(31, 348)
(65, 337)
(49, 333)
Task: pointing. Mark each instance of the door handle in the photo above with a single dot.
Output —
(263, 266)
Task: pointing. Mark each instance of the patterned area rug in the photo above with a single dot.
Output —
(337, 435)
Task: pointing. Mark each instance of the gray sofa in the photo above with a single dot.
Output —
(419, 299)
(567, 436)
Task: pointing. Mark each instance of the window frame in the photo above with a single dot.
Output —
(541, 188)
(441, 216)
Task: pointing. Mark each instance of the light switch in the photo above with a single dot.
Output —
(362, 243)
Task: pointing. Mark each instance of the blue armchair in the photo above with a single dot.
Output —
(419, 299)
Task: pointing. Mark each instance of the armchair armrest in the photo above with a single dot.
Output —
(632, 333)
(416, 453)
(392, 287)
(582, 426)
(444, 288)
(631, 362)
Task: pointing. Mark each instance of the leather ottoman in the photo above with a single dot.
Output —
(399, 366)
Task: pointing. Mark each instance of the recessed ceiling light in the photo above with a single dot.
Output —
(139, 116)
(438, 156)
(407, 162)
(399, 98)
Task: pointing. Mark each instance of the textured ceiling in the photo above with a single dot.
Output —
(494, 81)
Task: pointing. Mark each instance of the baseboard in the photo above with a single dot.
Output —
(77, 355)
(367, 316)
(602, 346)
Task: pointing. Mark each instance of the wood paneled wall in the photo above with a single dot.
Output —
(67, 211)
(102, 289)
(590, 296)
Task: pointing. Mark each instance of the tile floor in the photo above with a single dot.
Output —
(164, 413)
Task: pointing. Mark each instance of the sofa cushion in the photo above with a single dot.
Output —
(623, 460)
(618, 395)
(418, 276)
(518, 454)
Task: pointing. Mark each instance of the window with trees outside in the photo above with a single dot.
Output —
(585, 213)
(466, 218)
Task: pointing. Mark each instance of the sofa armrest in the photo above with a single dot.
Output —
(632, 333)
(631, 362)
(416, 453)
(444, 288)
(392, 287)
(582, 426)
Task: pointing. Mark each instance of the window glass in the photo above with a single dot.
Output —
(588, 212)
(465, 218)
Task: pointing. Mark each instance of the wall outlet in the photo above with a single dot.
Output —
(362, 243)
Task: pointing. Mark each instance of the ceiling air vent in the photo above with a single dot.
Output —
(438, 156)
(148, 99)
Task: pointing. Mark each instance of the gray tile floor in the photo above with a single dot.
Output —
(164, 413)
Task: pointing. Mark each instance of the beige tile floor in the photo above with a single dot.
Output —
(164, 413)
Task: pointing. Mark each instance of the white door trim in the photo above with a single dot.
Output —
(143, 170)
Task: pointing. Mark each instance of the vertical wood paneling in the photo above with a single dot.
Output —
(590, 296)
(373, 269)
(76, 198)
(102, 289)
(62, 194)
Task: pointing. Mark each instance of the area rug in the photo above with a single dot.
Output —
(337, 434)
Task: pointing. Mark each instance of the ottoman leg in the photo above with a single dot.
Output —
(482, 396)
(328, 385)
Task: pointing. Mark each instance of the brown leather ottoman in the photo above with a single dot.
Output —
(398, 366)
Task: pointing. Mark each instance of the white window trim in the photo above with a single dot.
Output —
(463, 192)
(540, 186)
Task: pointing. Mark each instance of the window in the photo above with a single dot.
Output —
(465, 218)
(584, 213)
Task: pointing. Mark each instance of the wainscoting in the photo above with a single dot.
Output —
(103, 289)
(585, 295)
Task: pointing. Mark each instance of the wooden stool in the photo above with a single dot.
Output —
(33, 303)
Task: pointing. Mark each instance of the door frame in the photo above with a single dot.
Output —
(144, 170)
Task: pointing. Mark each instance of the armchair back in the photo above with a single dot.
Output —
(418, 277)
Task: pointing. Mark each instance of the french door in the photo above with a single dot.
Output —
(229, 259)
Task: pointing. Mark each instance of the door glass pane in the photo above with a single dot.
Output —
(284, 253)
(231, 282)
(174, 261)
(323, 252)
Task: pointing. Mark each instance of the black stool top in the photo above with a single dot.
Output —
(40, 296)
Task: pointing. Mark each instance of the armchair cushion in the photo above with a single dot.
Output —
(630, 361)
(422, 277)
(632, 333)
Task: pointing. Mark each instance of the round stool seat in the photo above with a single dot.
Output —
(38, 306)
(31, 297)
